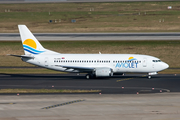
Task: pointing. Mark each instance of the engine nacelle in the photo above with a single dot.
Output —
(103, 72)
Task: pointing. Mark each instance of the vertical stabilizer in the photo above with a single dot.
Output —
(30, 44)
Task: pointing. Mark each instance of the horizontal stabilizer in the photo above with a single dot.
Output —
(24, 56)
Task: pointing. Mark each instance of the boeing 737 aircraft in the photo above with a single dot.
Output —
(95, 65)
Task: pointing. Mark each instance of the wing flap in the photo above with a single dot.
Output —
(80, 69)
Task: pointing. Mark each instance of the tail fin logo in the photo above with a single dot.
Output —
(30, 46)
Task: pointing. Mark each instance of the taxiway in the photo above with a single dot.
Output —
(94, 36)
(157, 98)
(128, 84)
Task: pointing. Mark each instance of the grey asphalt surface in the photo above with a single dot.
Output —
(113, 103)
(132, 83)
(95, 36)
(46, 1)
(160, 106)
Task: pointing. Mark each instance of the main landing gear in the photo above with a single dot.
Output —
(89, 76)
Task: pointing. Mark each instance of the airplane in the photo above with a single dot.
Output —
(94, 65)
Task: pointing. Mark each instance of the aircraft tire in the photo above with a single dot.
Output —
(88, 76)
(149, 77)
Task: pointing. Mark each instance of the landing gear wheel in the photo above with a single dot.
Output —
(149, 77)
(90, 76)
(87, 76)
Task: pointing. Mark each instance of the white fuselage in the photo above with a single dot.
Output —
(119, 63)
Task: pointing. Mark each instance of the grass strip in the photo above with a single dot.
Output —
(167, 51)
(170, 71)
(92, 17)
(46, 91)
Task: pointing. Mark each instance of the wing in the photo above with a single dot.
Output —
(80, 69)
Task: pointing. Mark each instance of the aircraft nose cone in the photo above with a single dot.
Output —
(165, 65)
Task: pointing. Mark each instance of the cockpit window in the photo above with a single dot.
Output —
(156, 60)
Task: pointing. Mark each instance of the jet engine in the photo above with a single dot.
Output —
(153, 73)
(103, 72)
